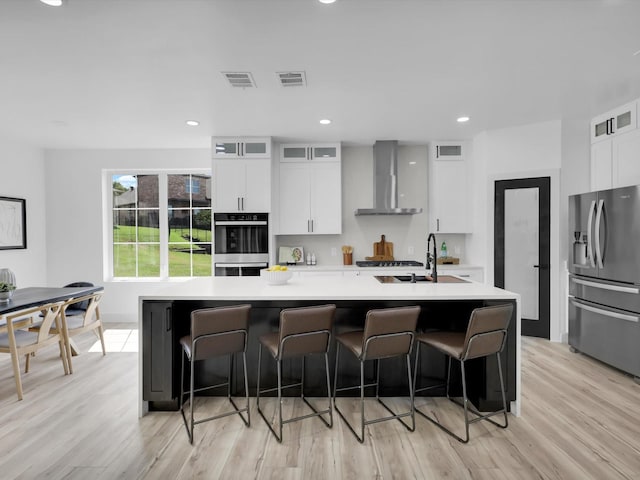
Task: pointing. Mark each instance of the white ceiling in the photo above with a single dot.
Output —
(128, 73)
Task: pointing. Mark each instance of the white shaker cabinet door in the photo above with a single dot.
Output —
(294, 199)
(626, 159)
(326, 199)
(258, 186)
(229, 178)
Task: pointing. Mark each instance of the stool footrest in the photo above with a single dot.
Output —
(274, 389)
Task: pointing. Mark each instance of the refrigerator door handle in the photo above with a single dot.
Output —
(602, 311)
(605, 286)
(597, 233)
(589, 242)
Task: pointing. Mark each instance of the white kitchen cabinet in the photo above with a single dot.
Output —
(449, 200)
(626, 159)
(296, 152)
(615, 161)
(241, 147)
(615, 122)
(242, 185)
(310, 198)
(601, 165)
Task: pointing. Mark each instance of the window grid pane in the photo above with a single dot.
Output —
(137, 238)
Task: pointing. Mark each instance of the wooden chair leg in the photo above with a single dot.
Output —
(26, 363)
(101, 335)
(63, 355)
(16, 373)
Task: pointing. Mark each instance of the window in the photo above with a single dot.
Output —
(161, 225)
(192, 185)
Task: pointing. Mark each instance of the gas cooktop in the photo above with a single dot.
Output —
(389, 263)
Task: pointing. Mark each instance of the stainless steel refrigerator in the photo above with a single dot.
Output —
(604, 280)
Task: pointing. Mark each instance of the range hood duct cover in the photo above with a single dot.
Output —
(385, 182)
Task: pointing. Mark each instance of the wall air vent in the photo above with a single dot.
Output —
(292, 79)
(239, 79)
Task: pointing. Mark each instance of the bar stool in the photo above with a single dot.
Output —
(387, 333)
(303, 331)
(486, 335)
(215, 332)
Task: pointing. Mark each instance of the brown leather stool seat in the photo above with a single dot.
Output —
(486, 335)
(215, 332)
(303, 331)
(387, 333)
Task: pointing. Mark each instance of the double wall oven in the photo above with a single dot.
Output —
(241, 243)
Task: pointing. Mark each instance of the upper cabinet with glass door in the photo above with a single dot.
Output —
(614, 122)
(241, 147)
(297, 152)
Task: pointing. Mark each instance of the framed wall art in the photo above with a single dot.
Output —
(13, 223)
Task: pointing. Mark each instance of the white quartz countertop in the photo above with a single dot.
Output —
(324, 288)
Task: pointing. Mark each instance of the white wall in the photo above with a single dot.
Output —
(74, 220)
(519, 152)
(23, 177)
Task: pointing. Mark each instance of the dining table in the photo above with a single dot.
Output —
(30, 297)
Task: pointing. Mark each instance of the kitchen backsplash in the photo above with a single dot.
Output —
(321, 246)
(361, 232)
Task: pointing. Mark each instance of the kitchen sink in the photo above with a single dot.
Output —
(418, 279)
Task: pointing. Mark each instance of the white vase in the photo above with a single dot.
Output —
(5, 297)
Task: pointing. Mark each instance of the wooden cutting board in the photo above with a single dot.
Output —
(383, 250)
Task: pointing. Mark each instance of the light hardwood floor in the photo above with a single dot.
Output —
(580, 420)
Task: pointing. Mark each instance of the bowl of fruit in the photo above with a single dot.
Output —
(276, 275)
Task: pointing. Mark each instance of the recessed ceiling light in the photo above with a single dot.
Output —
(412, 163)
(52, 3)
(463, 119)
(325, 121)
(192, 123)
(327, 1)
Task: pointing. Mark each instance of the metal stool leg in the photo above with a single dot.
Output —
(362, 386)
(191, 422)
(469, 409)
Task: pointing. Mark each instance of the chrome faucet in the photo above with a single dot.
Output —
(432, 257)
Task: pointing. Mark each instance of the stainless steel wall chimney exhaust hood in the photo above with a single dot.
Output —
(385, 182)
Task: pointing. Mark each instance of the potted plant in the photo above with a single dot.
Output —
(6, 291)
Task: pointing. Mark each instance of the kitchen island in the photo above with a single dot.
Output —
(165, 317)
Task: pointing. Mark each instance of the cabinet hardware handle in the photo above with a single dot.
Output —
(311, 226)
(238, 202)
(437, 151)
(437, 224)
(308, 225)
(167, 319)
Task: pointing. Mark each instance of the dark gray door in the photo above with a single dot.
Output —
(522, 250)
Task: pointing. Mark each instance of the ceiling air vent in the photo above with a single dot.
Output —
(292, 79)
(239, 79)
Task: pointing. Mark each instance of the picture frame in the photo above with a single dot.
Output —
(13, 223)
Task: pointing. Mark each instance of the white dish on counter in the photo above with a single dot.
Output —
(276, 277)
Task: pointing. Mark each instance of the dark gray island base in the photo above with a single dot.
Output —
(165, 320)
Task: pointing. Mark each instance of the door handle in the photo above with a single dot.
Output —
(542, 267)
(597, 232)
(607, 313)
(589, 242)
(606, 286)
